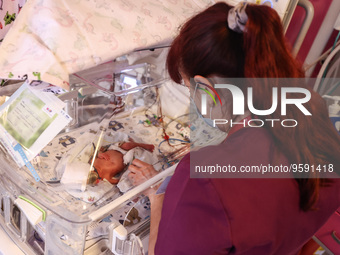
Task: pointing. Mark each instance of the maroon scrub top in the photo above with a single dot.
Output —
(238, 216)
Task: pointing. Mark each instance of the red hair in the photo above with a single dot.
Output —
(206, 46)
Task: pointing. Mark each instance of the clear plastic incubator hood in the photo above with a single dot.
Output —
(50, 212)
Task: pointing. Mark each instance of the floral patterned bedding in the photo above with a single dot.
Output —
(51, 39)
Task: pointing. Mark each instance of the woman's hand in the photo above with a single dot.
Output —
(141, 172)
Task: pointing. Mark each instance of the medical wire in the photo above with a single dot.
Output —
(331, 90)
(321, 57)
(173, 156)
(160, 116)
(319, 80)
(336, 39)
(323, 71)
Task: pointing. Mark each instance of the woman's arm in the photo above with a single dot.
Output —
(156, 210)
(130, 145)
(140, 172)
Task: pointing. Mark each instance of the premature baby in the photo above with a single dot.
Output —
(111, 162)
(112, 159)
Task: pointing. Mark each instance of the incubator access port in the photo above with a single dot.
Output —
(35, 241)
(15, 218)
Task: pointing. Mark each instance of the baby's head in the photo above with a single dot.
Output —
(108, 164)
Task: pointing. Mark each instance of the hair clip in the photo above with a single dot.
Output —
(237, 17)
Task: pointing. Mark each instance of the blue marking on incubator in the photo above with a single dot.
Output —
(19, 149)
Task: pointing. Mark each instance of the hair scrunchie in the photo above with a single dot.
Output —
(237, 17)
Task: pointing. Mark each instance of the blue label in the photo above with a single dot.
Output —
(19, 149)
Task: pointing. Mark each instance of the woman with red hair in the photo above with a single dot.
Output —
(270, 215)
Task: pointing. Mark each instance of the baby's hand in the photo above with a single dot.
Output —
(141, 172)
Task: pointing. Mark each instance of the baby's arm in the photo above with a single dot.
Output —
(130, 145)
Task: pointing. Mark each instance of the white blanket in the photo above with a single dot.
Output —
(51, 39)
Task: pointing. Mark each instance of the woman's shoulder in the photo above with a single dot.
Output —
(245, 142)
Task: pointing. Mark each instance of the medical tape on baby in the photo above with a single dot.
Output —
(127, 155)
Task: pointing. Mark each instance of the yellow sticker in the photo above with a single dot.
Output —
(319, 251)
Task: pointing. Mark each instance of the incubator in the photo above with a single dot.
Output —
(86, 49)
(50, 216)
(51, 212)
